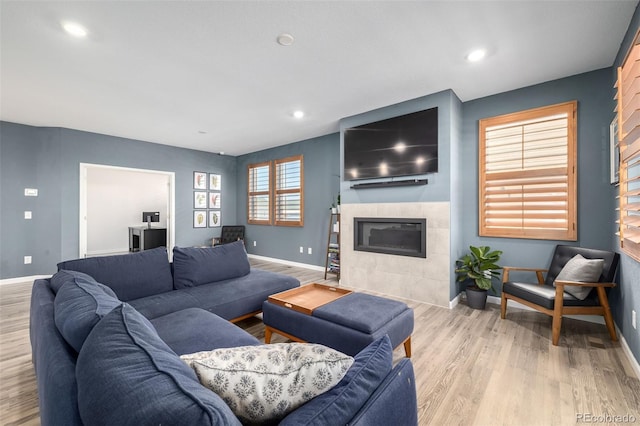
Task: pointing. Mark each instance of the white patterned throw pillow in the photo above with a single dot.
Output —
(266, 382)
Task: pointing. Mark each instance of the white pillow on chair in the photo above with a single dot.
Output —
(582, 270)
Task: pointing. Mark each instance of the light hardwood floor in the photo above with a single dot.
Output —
(472, 368)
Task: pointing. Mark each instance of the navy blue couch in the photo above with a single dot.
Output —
(106, 335)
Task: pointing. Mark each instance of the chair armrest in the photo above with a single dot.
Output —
(583, 284)
(538, 271)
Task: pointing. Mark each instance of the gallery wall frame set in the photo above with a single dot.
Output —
(207, 200)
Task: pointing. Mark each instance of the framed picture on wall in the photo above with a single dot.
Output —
(214, 218)
(215, 182)
(199, 180)
(199, 199)
(614, 151)
(200, 219)
(214, 200)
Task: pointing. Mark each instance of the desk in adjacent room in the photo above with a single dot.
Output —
(144, 238)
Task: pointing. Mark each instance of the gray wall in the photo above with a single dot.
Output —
(48, 159)
(321, 180)
(625, 297)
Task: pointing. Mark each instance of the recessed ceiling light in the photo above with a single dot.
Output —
(75, 29)
(298, 114)
(285, 39)
(476, 55)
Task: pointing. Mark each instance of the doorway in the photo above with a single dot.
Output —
(112, 199)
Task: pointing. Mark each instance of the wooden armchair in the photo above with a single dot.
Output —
(556, 301)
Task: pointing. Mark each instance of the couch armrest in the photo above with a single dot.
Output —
(394, 402)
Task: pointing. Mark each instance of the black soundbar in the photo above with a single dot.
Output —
(406, 182)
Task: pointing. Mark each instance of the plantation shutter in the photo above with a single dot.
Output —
(629, 136)
(259, 194)
(288, 199)
(527, 174)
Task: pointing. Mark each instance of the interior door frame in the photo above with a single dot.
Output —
(171, 198)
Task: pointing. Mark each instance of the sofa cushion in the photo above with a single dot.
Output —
(229, 299)
(79, 304)
(264, 383)
(340, 404)
(59, 278)
(131, 276)
(194, 266)
(127, 375)
(193, 330)
(582, 270)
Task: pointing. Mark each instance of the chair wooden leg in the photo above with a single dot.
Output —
(557, 315)
(503, 306)
(608, 318)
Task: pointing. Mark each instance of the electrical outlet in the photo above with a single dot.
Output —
(27, 260)
(255, 243)
(309, 250)
(301, 249)
(633, 319)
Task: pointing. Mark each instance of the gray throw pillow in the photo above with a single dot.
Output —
(582, 270)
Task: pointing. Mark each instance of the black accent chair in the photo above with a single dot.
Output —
(555, 301)
(230, 234)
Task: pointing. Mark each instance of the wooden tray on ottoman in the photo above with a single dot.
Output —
(308, 297)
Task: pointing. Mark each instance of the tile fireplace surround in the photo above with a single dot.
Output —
(425, 280)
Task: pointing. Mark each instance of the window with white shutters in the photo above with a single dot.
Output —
(259, 194)
(276, 192)
(288, 200)
(528, 174)
(628, 110)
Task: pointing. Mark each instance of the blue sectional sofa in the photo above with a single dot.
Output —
(106, 335)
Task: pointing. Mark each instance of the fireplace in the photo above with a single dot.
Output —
(398, 236)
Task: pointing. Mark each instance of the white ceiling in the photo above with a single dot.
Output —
(165, 71)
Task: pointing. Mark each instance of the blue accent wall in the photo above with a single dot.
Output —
(626, 297)
(321, 186)
(48, 159)
(593, 92)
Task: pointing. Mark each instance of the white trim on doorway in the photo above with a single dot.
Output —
(170, 213)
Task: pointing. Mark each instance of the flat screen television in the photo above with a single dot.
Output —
(399, 146)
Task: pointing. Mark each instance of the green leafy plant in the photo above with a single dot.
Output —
(480, 265)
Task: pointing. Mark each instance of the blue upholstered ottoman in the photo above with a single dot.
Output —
(347, 324)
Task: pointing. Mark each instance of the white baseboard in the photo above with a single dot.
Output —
(287, 262)
(30, 279)
(455, 301)
(627, 351)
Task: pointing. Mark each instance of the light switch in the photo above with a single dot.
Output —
(27, 260)
(30, 192)
(27, 214)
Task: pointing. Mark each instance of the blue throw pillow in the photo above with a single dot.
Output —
(194, 266)
(128, 376)
(340, 404)
(131, 276)
(79, 304)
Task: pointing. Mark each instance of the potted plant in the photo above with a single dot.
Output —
(479, 266)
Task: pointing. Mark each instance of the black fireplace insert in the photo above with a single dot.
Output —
(398, 236)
